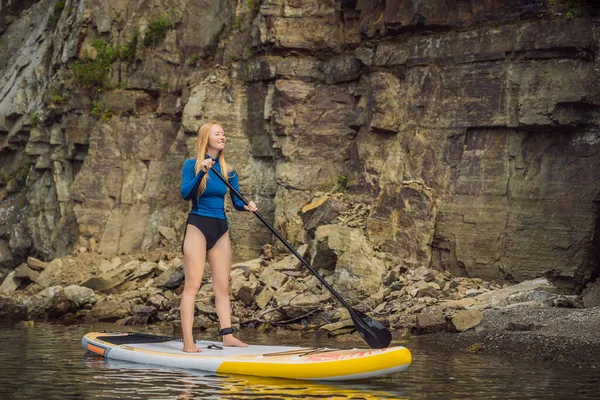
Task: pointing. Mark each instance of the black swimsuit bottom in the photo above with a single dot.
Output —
(211, 228)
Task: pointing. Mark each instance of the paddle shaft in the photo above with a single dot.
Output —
(289, 246)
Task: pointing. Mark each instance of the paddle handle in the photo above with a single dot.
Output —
(285, 242)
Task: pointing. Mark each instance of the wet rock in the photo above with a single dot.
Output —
(12, 310)
(25, 324)
(50, 302)
(465, 320)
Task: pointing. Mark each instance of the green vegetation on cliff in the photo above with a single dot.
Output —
(93, 72)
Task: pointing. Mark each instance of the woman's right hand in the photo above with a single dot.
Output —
(207, 164)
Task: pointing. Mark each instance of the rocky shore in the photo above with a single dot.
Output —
(529, 319)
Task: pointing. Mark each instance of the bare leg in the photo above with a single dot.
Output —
(194, 256)
(219, 258)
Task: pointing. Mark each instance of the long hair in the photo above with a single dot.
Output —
(201, 153)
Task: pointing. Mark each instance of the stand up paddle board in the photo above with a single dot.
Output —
(267, 361)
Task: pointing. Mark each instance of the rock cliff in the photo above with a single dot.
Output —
(468, 130)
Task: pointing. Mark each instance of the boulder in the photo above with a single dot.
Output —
(24, 272)
(322, 211)
(108, 311)
(273, 278)
(432, 321)
(48, 276)
(465, 320)
(79, 295)
(10, 283)
(11, 310)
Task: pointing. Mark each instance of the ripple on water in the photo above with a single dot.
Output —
(48, 362)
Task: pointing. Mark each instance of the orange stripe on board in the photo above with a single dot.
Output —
(95, 349)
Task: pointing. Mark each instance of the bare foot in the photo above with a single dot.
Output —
(191, 348)
(231, 341)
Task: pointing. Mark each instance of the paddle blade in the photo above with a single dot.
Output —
(372, 331)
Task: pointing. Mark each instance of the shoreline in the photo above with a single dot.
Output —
(564, 335)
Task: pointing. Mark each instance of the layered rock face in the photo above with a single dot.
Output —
(468, 129)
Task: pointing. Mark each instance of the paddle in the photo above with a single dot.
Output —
(372, 331)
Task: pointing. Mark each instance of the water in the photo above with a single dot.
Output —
(48, 362)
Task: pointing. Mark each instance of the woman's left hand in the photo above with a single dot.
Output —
(251, 207)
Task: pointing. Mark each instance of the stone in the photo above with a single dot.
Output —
(336, 326)
(297, 304)
(323, 211)
(500, 297)
(244, 289)
(291, 262)
(264, 297)
(430, 322)
(6, 256)
(466, 319)
(10, 283)
(24, 272)
(204, 308)
(115, 280)
(168, 233)
(108, 311)
(12, 310)
(273, 278)
(460, 304)
(342, 68)
(48, 276)
(171, 279)
(253, 266)
(79, 295)
(25, 324)
(158, 301)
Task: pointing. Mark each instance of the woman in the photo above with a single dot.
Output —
(206, 231)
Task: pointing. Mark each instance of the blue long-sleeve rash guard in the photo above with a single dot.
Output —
(212, 201)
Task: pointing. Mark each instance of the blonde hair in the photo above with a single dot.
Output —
(202, 151)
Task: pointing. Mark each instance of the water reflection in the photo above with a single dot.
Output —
(186, 384)
(48, 362)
